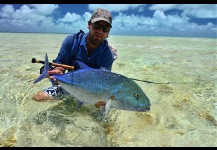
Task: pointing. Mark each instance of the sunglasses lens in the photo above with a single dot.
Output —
(95, 25)
(98, 26)
(105, 29)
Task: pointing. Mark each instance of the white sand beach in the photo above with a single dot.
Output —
(183, 110)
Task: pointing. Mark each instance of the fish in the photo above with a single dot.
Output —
(89, 86)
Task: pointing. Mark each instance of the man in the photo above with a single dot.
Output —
(93, 50)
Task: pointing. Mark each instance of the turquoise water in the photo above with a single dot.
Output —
(183, 113)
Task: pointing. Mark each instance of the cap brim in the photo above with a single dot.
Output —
(98, 19)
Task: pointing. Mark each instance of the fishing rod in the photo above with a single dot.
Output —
(72, 68)
(53, 64)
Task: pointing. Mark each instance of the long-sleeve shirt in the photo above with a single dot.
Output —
(101, 56)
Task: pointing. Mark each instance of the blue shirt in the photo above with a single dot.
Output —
(101, 56)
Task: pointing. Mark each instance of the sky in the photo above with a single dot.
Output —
(182, 20)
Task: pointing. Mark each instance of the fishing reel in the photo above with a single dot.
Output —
(42, 68)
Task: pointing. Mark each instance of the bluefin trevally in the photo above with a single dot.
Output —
(90, 86)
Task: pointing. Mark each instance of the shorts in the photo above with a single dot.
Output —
(55, 90)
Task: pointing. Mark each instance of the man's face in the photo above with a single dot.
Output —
(98, 32)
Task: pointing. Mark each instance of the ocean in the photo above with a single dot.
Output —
(183, 94)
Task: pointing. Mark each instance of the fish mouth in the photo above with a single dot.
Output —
(144, 109)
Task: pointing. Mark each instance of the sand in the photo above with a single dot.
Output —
(184, 105)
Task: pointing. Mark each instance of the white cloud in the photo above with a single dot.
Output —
(159, 15)
(27, 11)
(6, 11)
(27, 16)
(158, 24)
(70, 17)
(200, 10)
(41, 18)
(117, 7)
(164, 7)
(195, 10)
(44, 9)
(87, 16)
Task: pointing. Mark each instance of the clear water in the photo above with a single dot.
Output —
(183, 113)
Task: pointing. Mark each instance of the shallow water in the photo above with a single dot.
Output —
(183, 111)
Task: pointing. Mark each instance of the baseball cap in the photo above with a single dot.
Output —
(101, 14)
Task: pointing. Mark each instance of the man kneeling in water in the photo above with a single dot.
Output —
(91, 48)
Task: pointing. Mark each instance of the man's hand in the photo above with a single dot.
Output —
(57, 70)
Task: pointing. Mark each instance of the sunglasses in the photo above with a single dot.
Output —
(97, 26)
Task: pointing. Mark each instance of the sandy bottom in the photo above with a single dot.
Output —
(183, 112)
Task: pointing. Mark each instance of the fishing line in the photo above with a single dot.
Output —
(149, 81)
(72, 68)
(160, 82)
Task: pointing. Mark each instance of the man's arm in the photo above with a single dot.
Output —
(107, 59)
(65, 53)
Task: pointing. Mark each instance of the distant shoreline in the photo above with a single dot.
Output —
(113, 34)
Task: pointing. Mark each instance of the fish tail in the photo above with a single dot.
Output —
(45, 72)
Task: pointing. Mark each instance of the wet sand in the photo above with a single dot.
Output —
(184, 105)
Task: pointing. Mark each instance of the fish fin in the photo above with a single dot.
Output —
(45, 72)
(81, 65)
(79, 103)
(104, 69)
(107, 106)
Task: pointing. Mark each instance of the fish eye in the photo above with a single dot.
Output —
(136, 95)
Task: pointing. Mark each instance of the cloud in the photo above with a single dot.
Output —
(70, 17)
(132, 19)
(44, 9)
(7, 11)
(194, 10)
(27, 11)
(27, 17)
(117, 7)
(159, 24)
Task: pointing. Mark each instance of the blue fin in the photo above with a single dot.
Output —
(81, 65)
(79, 103)
(45, 72)
(105, 69)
